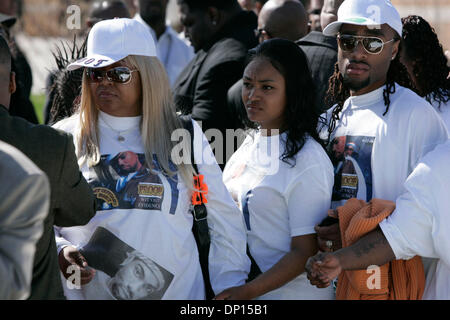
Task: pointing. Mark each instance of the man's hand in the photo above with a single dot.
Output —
(235, 293)
(322, 269)
(71, 256)
(329, 233)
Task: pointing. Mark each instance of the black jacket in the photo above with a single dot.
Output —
(201, 88)
(72, 201)
(322, 56)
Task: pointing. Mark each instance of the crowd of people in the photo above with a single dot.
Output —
(336, 161)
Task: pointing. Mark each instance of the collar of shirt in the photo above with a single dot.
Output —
(367, 99)
(119, 123)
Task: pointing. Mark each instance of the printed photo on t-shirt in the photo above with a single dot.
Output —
(122, 272)
(124, 181)
(352, 160)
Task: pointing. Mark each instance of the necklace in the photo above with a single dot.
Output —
(120, 134)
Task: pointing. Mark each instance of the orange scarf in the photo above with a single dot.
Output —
(399, 279)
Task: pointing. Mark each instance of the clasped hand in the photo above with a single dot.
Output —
(322, 269)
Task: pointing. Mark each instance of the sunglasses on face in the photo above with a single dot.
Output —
(372, 45)
(118, 74)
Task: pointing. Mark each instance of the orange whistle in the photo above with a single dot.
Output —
(199, 197)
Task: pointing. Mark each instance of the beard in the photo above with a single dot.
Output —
(354, 85)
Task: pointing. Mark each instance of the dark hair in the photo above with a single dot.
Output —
(66, 87)
(421, 44)
(337, 91)
(203, 4)
(301, 117)
(5, 54)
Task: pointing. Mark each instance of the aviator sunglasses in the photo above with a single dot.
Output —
(372, 45)
(118, 74)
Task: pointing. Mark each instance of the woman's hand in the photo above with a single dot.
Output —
(70, 256)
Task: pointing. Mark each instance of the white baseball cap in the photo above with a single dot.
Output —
(366, 13)
(112, 40)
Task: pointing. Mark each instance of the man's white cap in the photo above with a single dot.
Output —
(112, 40)
(366, 13)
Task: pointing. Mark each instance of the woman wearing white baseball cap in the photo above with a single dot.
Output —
(122, 134)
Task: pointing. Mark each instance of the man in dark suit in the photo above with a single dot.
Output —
(321, 51)
(221, 33)
(72, 201)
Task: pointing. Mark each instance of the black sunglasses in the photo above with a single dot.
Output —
(372, 45)
(118, 74)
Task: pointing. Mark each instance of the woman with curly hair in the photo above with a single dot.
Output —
(423, 56)
(281, 176)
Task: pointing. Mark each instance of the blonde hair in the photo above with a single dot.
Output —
(159, 119)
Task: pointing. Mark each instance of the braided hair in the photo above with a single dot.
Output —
(421, 44)
(338, 92)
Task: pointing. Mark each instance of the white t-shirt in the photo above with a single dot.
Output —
(173, 52)
(386, 148)
(146, 214)
(444, 112)
(280, 202)
(420, 223)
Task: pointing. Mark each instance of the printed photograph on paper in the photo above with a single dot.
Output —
(122, 272)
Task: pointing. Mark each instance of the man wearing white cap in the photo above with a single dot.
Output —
(390, 125)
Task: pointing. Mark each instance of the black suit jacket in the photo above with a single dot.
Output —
(72, 201)
(201, 88)
(322, 56)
